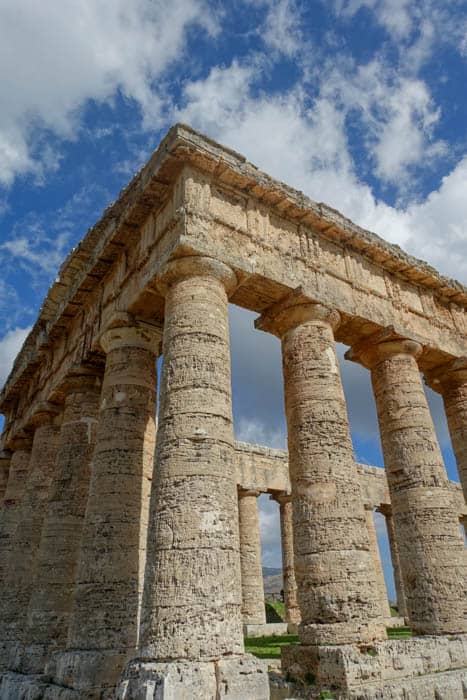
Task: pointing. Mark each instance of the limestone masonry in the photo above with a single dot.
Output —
(130, 554)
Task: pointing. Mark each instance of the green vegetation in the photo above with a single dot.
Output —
(394, 611)
(399, 633)
(275, 611)
(269, 647)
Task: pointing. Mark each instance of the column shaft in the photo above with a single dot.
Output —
(337, 591)
(253, 610)
(374, 547)
(193, 545)
(21, 574)
(429, 542)
(108, 591)
(51, 600)
(401, 607)
(5, 459)
(292, 611)
(9, 518)
(453, 388)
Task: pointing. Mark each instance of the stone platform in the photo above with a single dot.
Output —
(423, 668)
(267, 630)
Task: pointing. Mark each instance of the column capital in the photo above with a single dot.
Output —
(378, 347)
(294, 310)
(140, 334)
(44, 413)
(452, 373)
(281, 498)
(243, 493)
(78, 378)
(195, 266)
(5, 457)
(20, 441)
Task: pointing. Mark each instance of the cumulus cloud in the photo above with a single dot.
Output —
(55, 57)
(10, 345)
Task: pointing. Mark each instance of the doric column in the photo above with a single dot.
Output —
(253, 610)
(427, 531)
(5, 459)
(450, 381)
(374, 547)
(51, 599)
(103, 632)
(20, 447)
(9, 518)
(292, 611)
(401, 607)
(337, 591)
(191, 631)
(20, 577)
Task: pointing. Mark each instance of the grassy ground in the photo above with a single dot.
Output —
(270, 647)
(275, 611)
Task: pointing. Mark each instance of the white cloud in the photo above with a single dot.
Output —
(282, 29)
(10, 345)
(56, 56)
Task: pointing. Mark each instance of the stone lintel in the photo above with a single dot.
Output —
(451, 373)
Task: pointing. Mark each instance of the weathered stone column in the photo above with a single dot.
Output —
(51, 599)
(374, 547)
(253, 610)
(401, 607)
(9, 518)
(104, 624)
(21, 573)
(450, 381)
(429, 542)
(292, 611)
(191, 634)
(5, 459)
(337, 592)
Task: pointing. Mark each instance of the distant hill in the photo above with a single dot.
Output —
(273, 583)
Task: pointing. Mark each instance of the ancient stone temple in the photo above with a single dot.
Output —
(129, 551)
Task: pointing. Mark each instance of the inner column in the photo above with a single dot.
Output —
(253, 610)
(191, 630)
(292, 611)
(429, 542)
(337, 591)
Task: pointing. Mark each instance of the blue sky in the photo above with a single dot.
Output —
(359, 103)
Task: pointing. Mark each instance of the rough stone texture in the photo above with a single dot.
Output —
(451, 382)
(5, 459)
(429, 542)
(193, 539)
(337, 592)
(292, 611)
(253, 609)
(10, 514)
(398, 582)
(195, 198)
(234, 678)
(362, 671)
(107, 596)
(374, 548)
(51, 600)
(21, 572)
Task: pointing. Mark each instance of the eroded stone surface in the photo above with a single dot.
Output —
(337, 591)
(431, 551)
(253, 610)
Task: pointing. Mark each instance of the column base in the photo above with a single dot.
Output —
(235, 677)
(342, 633)
(415, 667)
(93, 673)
